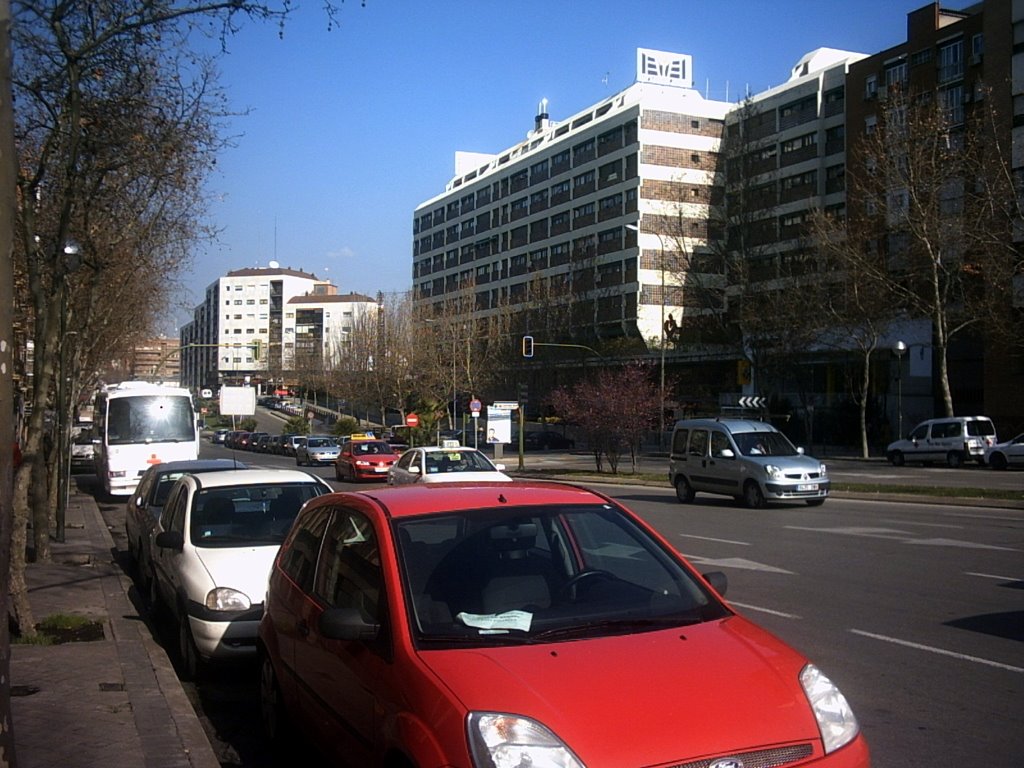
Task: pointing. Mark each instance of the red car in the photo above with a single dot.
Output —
(364, 460)
(513, 624)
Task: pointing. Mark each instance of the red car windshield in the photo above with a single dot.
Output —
(531, 574)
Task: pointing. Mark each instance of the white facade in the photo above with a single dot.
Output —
(321, 325)
(560, 215)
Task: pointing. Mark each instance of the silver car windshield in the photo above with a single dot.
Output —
(539, 574)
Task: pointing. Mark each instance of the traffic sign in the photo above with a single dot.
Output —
(506, 406)
(752, 402)
(412, 420)
(475, 406)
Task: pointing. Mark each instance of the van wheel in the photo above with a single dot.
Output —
(896, 458)
(753, 497)
(684, 491)
(954, 459)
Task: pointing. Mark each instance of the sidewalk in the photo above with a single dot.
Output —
(114, 702)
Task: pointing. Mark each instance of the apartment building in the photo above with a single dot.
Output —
(551, 228)
(237, 333)
(318, 326)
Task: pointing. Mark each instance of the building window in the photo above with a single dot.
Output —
(951, 61)
(870, 86)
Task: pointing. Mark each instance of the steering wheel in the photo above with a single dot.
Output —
(568, 589)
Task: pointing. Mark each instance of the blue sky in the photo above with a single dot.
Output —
(348, 130)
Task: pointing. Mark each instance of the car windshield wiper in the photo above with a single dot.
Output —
(615, 626)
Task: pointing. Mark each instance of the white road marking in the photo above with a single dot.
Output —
(709, 538)
(897, 535)
(993, 576)
(925, 525)
(940, 651)
(748, 607)
(737, 562)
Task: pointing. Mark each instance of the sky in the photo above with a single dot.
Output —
(341, 133)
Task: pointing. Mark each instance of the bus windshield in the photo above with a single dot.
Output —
(150, 419)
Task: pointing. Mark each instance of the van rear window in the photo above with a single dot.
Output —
(980, 428)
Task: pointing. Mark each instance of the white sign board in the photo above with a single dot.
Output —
(499, 425)
(237, 401)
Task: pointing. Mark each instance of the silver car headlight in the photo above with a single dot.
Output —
(836, 721)
(774, 472)
(822, 469)
(512, 741)
(227, 599)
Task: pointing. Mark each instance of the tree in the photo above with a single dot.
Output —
(613, 410)
(931, 185)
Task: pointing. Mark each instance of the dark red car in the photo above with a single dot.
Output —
(364, 460)
(515, 624)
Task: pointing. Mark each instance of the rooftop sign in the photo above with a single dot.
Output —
(664, 68)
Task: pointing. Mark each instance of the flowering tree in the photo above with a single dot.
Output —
(612, 410)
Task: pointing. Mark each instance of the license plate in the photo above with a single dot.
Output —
(380, 469)
(807, 487)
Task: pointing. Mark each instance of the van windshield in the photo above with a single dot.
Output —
(764, 444)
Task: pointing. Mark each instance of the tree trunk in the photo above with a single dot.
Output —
(8, 757)
(865, 388)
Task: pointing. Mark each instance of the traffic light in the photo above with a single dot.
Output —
(527, 346)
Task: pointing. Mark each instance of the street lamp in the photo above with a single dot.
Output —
(899, 348)
(661, 336)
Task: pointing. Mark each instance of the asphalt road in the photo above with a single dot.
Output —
(915, 610)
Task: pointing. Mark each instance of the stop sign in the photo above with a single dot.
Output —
(412, 420)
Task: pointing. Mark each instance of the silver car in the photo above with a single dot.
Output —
(748, 460)
(317, 449)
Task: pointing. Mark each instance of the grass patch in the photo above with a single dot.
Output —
(659, 479)
(63, 628)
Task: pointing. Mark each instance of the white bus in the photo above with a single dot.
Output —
(138, 424)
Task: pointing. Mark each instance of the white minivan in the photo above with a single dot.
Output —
(748, 460)
(952, 440)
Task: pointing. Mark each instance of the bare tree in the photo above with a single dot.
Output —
(933, 182)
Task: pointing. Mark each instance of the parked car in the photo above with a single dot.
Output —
(1008, 454)
(420, 626)
(212, 549)
(317, 449)
(219, 436)
(749, 460)
(237, 439)
(253, 441)
(952, 440)
(546, 440)
(264, 443)
(291, 444)
(82, 451)
(364, 460)
(145, 505)
(449, 463)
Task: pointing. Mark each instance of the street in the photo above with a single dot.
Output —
(915, 610)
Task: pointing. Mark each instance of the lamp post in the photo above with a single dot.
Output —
(661, 336)
(899, 348)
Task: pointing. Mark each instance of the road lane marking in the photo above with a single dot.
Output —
(939, 651)
(759, 609)
(925, 525)
(737, 562)
(709, 538)
(993, 576)
(897, 535)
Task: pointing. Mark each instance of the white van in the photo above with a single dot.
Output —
(954, 440)
(748, 460)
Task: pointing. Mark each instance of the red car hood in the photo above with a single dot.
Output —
(644, 699)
